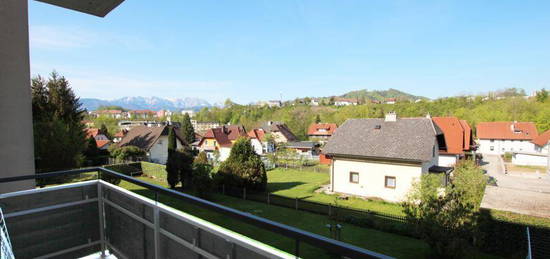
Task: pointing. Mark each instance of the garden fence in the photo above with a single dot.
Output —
(350, 215)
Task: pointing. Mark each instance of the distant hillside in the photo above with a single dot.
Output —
(381, 95)
(151, 103)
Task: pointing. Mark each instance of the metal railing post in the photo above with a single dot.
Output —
(529, 255)
(101, 213)
(297, 248)
(156, 220)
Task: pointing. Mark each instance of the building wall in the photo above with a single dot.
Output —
(257, 145)
(159, 151)
(529, 159)
(447, 160)
(502, 146)
(16, 134)
(372, 178)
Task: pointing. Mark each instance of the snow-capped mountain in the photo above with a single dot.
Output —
(151, 103)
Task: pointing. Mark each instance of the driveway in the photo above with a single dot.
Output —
(518, 194)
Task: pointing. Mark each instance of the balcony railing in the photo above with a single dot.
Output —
(83, 218)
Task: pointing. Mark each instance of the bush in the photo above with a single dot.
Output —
(127, 153)
(244, 168)
(202, 180)
(507, 157)
(444, 221)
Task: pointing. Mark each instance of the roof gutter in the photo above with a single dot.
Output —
(378, 158)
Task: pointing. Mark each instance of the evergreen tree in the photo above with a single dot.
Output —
(105, 131)
(172, 163)
(243, 168)
(58, 131)
(317, 118)
(172, 142)
(542, 95)
(187, 130)
(185, 158)
(202, 158)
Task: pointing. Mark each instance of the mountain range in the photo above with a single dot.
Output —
(151, 103)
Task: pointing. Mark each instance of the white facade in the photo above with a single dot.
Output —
(447, 160)
(531, 159)
(500, 146)
(372, 177)
(159, 151)
(257, 146)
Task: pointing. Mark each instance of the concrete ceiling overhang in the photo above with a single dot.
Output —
(94, 7)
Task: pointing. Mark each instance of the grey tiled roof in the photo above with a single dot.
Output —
(406, 139)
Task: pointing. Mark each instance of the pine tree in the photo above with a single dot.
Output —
(172, 163)
(243, 168)
(105, 131)
(58, 131)
(187, 130)
(317, 118)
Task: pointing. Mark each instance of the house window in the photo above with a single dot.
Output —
(389, 182)
(160, 142)
(492, 140)
(492, 148)
(214, 142)
(353, 177)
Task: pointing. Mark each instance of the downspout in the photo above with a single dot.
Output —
(332, 174)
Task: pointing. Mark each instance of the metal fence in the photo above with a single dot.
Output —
(364, 218)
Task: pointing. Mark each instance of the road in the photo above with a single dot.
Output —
(518, 194)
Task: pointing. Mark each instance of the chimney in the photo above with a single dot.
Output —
(391, 116)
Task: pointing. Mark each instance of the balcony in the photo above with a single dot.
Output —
(96, 217)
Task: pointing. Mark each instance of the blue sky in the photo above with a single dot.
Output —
(256, 50)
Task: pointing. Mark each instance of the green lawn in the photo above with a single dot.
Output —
(302, 184)
(382, 242)
(520, 218)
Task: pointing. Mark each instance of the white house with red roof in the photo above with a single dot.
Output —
(220, 140)
(260, 143)
(321, 131)
(458, 139)
(540, 156)
(505, 136)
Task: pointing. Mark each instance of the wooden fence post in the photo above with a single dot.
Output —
(296, 203)
(329, 209)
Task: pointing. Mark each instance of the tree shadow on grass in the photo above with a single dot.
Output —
(273, 187)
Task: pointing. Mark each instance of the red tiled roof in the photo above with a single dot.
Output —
(542, 139)
(314, 129)
(258, 134)
(102, 143)
(454, 133)
(467, 134)
(507, 130)
(225, 135)
(142, 112)
(349, 100)
(109, 111)
(92, 132)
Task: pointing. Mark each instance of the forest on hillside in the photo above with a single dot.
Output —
(298, 116)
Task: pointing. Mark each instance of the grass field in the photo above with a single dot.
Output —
(302, 184)
(382, 242)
